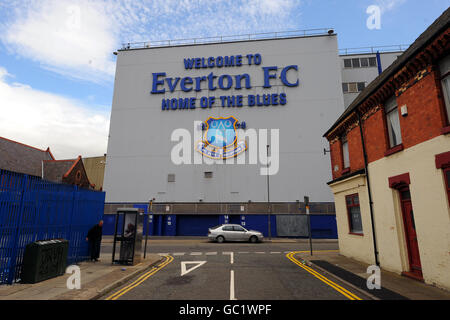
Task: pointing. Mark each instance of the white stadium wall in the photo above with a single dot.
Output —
(140, 146)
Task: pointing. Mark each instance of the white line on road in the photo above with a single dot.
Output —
(231, 256)
(196, 253)
(163, 254)
(210, 253)
(232, 297)
(275, 252)
(179, 253)
(184, 270)
(243, 252)
(260, 252)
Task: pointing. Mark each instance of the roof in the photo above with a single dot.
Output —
(439, 25)
(22, 158)
(55, 170)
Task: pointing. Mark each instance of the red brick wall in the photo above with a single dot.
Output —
(79, 180)
(336, 158)
(375, 135)
(355, 149)
(424, 119)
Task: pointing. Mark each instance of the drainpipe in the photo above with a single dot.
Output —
(375, 249)
(380, 69)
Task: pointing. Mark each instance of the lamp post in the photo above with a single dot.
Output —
(149, 211)
(269, 208)
(306, 200)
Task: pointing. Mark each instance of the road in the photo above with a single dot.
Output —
(195, 269)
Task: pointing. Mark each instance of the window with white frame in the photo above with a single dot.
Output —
(345, 154)
(393, 122)
(444, 67)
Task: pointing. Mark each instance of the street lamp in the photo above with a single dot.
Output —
(149, 211)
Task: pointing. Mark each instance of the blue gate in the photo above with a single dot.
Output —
(33, 209)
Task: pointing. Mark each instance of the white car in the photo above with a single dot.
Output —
(233, 232)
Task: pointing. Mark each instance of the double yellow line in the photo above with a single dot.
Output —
(332, 284)
(145, 276)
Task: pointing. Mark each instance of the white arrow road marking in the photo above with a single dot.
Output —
(231, 256)
(232, 296)
(184, 263)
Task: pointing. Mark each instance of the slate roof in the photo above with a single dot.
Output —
(55, 170)
(19, 157)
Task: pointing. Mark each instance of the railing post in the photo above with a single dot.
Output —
(18, 228)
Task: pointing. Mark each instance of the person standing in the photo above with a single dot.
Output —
(94, 237)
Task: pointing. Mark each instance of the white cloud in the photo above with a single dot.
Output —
(77, 38)
(388, 5)
(44, 120)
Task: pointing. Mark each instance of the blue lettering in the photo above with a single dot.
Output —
(192, 103)
(211, 78)
(268, 76)
(257, 60)
(229, 61)
(239, 101)
(211, 62)
(157, 82)
(219, 62)
(184, 82)
(238, 60)
(275, 99)
(239, 78)
(251, 100)
(172, 86)
(203, 102)
(198, 62)
(283, 99)
(283, 76)
(198, 81)
(188, 63)
(165, 104)
(229, 80)
(249, 58)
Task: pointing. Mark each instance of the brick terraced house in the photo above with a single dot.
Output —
(390, 159)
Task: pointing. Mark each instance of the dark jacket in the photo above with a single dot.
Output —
(95, 233)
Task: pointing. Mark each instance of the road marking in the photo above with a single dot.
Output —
(186, 271)
(179, 254)
(232, 296)
(210, 253)
(231, 256)
(322, 278)
(163, 254)
(243, 252)
(196, 253)
(260, 252)
(275, 252)
(141, 279)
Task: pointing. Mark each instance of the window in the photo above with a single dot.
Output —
(208, 174)
(444, 66)
(353, 87)
(171, 177)
(393, 122)
(238, 228)
(360, 62)
(345, 154)
(345, 87)
(361, 86)
(354, 214)
(364, 62)
(227, 228)
(355, 63)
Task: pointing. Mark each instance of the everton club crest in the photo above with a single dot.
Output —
(220, 140)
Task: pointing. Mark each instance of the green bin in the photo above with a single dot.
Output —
(43, 260)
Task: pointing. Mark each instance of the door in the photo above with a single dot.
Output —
(240, 233)
(410, 233)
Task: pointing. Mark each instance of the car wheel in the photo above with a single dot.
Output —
(253, 239)
(220, 239)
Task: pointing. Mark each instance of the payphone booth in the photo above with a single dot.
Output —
(128, 237)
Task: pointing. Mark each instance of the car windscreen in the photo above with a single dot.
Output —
(215, 227)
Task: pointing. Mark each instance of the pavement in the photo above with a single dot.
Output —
(97, 279)
(353, 274)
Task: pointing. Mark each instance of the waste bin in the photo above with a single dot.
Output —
(44, 259)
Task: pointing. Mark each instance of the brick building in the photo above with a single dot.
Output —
(22, 158)
(390, 159)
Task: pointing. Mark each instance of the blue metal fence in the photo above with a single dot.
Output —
(33, 209)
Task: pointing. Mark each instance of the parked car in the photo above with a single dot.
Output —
(233, 232)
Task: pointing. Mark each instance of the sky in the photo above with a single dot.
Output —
(57, 65)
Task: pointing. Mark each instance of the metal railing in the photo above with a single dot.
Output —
(374, 49)
(33, 209)
(232, 38)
